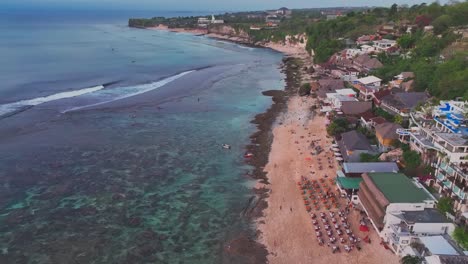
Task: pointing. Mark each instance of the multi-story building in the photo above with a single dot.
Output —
(441, 137)
(400, 209)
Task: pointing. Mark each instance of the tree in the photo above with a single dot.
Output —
(412, 159)
(398, 119)
(422, 21)
(406, 41)
(338, 126)
(393, 11)
(441, 24)
(410, 260)
(444, 205)
(305, 89)
(461, 236)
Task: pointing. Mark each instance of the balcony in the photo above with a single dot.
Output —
(440, 176)
(400, 230)
(447, 168)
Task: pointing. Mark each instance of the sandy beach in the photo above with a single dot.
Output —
(286, 227)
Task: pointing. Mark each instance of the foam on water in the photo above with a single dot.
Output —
(126, 92)
(12, 107)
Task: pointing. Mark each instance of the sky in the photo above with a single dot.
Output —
(193, 5)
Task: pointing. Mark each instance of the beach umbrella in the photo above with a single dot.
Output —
(337, 154)
(339, 159)
(335, 145)
(336, 149)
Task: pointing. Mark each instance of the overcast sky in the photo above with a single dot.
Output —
(200, 4)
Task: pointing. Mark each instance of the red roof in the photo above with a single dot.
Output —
(380, 94)
(378, 120)
(368, 115)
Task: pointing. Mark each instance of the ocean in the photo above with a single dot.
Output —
(110, 139)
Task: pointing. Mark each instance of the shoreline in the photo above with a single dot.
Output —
(287, 50)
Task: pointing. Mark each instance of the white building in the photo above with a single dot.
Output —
(367, 49)
(384, 44)
(440, 136)
(341, 95)
(351, 53)
(367, 87)
(402, 227)
(370, 81)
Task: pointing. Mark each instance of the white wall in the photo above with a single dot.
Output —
(398, 207)
(433, 228)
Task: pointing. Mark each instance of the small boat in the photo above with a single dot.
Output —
(226, 146)
(248, 155)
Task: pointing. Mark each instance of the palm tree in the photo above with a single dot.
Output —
(411, 260)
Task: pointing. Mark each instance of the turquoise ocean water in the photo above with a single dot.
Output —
(110, 140)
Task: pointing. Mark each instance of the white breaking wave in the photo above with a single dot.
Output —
(12, 107)
(107, 95)
(125, 92)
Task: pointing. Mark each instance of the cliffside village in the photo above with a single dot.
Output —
(402, 209)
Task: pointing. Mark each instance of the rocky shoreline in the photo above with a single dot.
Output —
(247, 245)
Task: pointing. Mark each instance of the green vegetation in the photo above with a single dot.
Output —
(410, 260)
(305, 89)
(444, 78)
(365, 157)
(444, 205)
(461, 236)
(325, 37)
(412, 159)
(338, 126)
(382, 113)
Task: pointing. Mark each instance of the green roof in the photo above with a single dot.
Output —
(349, 183)
(398, 188)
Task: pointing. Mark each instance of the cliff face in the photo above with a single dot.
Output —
(229, 32)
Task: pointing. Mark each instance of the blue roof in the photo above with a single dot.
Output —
(363, 167)
(438, 245)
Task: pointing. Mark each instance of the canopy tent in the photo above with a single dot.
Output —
(363, 228)
(349, 183)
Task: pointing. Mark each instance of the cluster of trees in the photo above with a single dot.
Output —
(174, 22)
(444, 205)
(338, 126)
(443, 77)
(411, 158)
(461, 236)
(325, 37)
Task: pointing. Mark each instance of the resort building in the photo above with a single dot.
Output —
(400, 208)
(404, 228)
(440, 136)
